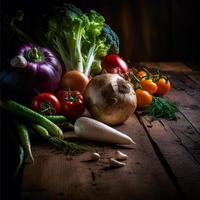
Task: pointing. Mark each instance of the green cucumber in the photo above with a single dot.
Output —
(60, 121)
(41, 130)
(24, 138)
(56, 118)
(62, 145)
(29, 114)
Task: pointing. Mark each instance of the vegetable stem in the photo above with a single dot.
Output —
(90, 59)
(24, 138)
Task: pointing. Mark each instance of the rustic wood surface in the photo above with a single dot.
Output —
(164, 163)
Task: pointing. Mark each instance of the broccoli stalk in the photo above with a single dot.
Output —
(53, 39)
(97, 47)
(74, 40)
(98, 50)
(59, 48)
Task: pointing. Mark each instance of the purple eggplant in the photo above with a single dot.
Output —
(43, 69)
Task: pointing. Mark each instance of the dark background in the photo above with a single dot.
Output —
(149, 30)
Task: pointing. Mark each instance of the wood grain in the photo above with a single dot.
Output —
(164, 163)
(178, 142)
(182, 165)
(168, 66)
(56, 176)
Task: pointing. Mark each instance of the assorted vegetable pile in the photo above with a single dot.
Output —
(150, 90)
(71, 65)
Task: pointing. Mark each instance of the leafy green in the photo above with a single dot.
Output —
(162, 108)
(79, 39)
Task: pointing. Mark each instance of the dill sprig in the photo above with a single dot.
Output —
(162, 108)
(66, 146)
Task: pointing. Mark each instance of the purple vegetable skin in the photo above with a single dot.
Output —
(43, 67)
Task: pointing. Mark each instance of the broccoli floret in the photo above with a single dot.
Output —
(68, 9)
(111, 38)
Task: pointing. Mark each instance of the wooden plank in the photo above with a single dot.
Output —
(178, 142)
(168, 66)
(56, 176)
(184, 167)
(195, 66)
(195, 77)
(187, 94)
(188, 107)
(186, 134)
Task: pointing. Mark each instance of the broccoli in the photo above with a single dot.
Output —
(69, 9)
(79, 39)
(111, 38)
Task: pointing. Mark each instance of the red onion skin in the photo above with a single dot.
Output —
(45, 76)
(114, 64)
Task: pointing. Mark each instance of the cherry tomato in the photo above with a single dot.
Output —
(75, 80)
(141, 74)
(149, 85)
(46, 103)
(112, 63)
(163, 86)
(72, 103)
(144, 99)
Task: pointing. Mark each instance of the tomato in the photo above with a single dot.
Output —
(74, 80)
(163, 86)
(112, 63)
(144, 98)
(46, 103)
(141, 74)
(149, 85)
(72, 103)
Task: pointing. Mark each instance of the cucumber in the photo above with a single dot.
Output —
(29, 114)
(62, 145)
(56, 118)
(61, 121)
(41, 130)
(24, 138)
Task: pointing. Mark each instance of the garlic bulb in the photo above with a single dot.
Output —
(95, 156)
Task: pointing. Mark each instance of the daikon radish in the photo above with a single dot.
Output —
(91, 129)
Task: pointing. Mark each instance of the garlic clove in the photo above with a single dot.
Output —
(18, 61)
(95, 156)
(120, 156)
(114, 163)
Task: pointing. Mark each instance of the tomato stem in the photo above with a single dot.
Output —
(149, 75)
(47, 108)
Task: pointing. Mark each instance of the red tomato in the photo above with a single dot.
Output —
(72, 103)
(163, 86)
(112, 63)
(46, 103)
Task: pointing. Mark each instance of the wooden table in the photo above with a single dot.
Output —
(164, 163)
